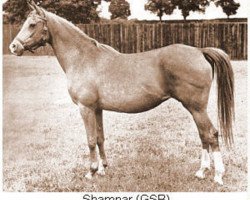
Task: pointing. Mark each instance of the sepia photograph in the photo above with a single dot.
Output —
(124, 96)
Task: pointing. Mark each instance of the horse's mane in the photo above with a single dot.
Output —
(81, 33)
(107, 47)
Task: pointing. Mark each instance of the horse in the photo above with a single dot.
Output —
(101, 78)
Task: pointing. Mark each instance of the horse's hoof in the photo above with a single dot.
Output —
(218, 179)
(200, 174)
(105, 165)
(89, 176)
(101, 172)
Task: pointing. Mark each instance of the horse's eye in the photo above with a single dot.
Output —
(32, 25)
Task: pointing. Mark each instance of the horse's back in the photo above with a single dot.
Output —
(179, 58)
(174, 62)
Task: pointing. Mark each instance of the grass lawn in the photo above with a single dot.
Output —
(45, 146)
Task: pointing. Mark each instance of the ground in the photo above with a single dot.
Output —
(45, 147)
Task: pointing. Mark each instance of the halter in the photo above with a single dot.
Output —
(42, 42)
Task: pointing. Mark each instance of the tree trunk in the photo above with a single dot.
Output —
(185, 13)
(160, 14)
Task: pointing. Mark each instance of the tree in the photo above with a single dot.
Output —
(119, 9)
(229, 7)
(190, 5)
(15, 10)
(160, 7)
(76, 11)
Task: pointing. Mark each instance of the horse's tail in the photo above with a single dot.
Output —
(225, 84)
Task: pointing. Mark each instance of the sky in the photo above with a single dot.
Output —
(212, 12)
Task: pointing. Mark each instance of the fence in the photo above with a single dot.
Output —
(138, 37)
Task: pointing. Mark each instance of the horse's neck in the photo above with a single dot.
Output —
(68, 42)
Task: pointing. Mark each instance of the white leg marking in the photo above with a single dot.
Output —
(205, 159)
(219, 167)
(101, 170)
(89, 176)
(205, 164)
(91, 173)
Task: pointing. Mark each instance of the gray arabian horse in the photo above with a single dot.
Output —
(100, 78)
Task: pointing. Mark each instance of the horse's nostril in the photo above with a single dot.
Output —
(13, 47)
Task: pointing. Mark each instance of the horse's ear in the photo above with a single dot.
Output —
(33, 6)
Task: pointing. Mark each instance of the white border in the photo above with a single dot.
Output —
(1, 93)
(173, 196)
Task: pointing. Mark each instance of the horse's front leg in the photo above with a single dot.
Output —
(89, 118)
(100, 142)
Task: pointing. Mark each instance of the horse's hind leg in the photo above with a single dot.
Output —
(100, 142)
(204, 128)
(209, 137)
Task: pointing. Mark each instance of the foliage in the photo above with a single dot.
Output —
(76, 11)
(160, 7)
(190, 5)
(229, 7)
(119, 9)
(15, 10)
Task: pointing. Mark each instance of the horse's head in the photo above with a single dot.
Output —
(34, 32)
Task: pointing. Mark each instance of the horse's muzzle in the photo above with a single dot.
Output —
(16, 48)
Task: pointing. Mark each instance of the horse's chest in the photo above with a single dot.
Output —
(83, 93)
